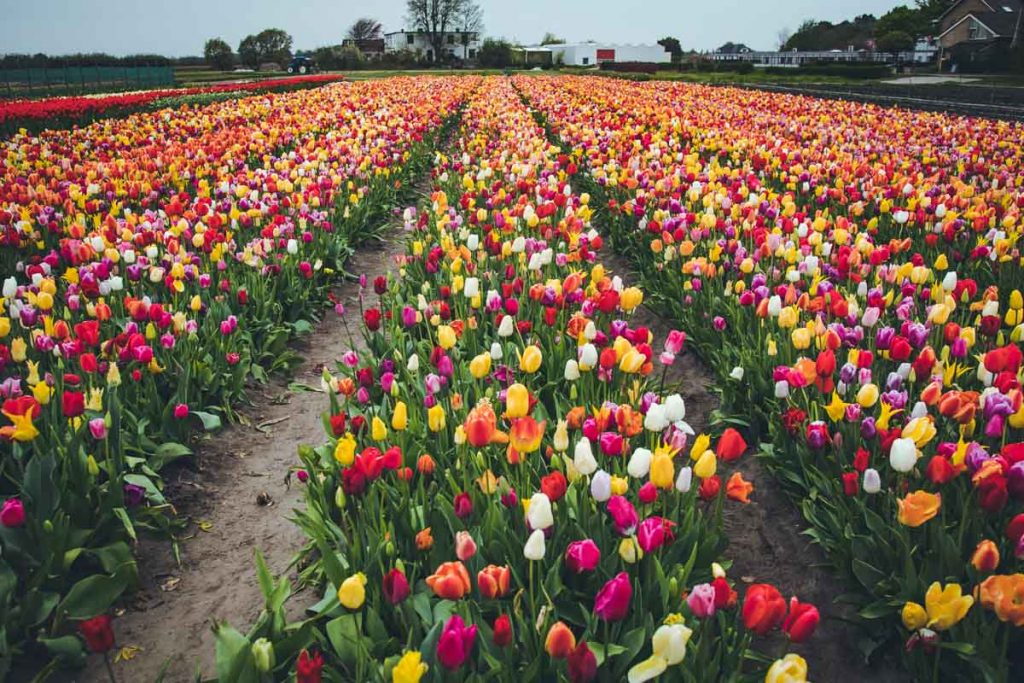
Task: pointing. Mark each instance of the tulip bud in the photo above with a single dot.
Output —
(535, 546)
(630, 551)
(601, 486)
(339, 498)
(263, 655)
(872, 481)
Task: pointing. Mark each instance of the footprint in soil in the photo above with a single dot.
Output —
(765, 540)
(238, 501)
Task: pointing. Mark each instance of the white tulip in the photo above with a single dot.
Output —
(737, 373)
(872, 482)
(572, 371)
(601, 486)
(588, 357)
(539, 514)
(496, 352)
(583, 457)
(639, 463)
(675, 408)
(656, 420)
(903, 455)
(535, 547)
(507, 327)
(684, 480)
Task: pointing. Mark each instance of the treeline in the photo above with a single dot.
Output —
(40, 60)
(896, 30)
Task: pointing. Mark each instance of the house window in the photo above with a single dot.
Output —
(586, 60)
(451, 38)
(409, 39)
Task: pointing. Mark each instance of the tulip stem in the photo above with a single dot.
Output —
(935, 665)
(110, 669)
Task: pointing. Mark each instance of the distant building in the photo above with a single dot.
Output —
(371, 48)
(592, 54)
(532, 56)
(733, 49)
(794, 58)
(462, 45)
(971, 30)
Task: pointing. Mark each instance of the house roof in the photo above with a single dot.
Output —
(993, 5)
(1002, 24)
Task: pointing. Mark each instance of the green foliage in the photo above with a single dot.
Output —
(673, 46)
(218, 54)
(824, 35)
(269, 45)
(495, 53)
(895, 41)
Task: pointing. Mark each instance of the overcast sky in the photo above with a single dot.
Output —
(180, 27)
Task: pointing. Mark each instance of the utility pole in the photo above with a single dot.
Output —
(1016, 30)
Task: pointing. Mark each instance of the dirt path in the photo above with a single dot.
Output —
(171, 616)
(765, 543)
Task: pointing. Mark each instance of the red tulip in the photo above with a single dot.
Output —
(396, 586)
(73, 403)
(463, 505)
(308, 667)
(455, 643)
(554, 486)
(731, 445)
(851, 481)
(502, 631)
(582, 664)
(582, 556)
(763, 608)
(803, 618)
(612, 601)
(98, 633)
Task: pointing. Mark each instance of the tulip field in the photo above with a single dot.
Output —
(507, 486)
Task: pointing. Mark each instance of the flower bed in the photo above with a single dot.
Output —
(853, 276)
(154, 267)
(63, 112)
(508, 490)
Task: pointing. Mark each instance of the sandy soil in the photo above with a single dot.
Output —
(226, 491)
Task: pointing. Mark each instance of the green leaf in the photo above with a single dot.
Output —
(68, 650)
(167, 453)
(122, 514)
(344, 637)
(210, 421)
(39, 486)
(92, 596)
(234, 656)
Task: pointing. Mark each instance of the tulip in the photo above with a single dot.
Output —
(684, 480)
(539, 515)
(639, 463)
(526, 434)
(731, 445)
(669, 649)
(378, 430)
(12, 513)
(560, 641)
(535, 547)
(480, 366)
(612, 602)
(582, 664)
(263, 655)
(623, 514)
(662, 470)
(530, 360)
(395, 586)
(502, 631)
(436, 418)
(308, 668)
(352, 591)
(455, 643)
(517, 401)
(872, 481)
(450, 581)
(601, 486)
(465, 546)
(400, 417)
(946, 606)
(801, 621)
(917, 508)
(763, 608)
(409, 669)
(986, 557)
(790, 669)
(706, 465)
(701, 601)
(560, 442)
(903, 455)
(582, 556)
(493, 581)
(98, 633)
(1004, 595)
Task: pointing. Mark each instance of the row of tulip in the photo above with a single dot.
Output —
(146, 285)
(63, 112)
(852, 274)
(508, 491)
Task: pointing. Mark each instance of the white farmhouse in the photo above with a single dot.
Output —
(590, 54)
(462, 45)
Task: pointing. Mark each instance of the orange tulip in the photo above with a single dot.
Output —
(986, 557)
(1004, 595)
(424, 540)
(731, 445)
(560, 641)
(450, 581)
(918, 507)
(493, 581)
(738, 489)
(526, 434)
(481, 426)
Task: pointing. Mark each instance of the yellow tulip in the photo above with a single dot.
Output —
(706, 465)
(435, 418)
(632, 362)
(914, 617)
(42, 392)
(630, 298)
(837, 408)
(400, 418)
(662, 470)
(410, 668)
(530, 360)
(630, 551)
(345, 450)
(22, 428)
(352, 592)
(801, 338)
(867, 395)
(18, 350)
(446, 337)
(700, 444)
(946, 606)
(619, 485)
(790, 669)
(480, 366)
(920, 429)
(517, 401)
(378, 430)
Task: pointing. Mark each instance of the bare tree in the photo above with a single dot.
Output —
(435, 18)
(365, 29)
(782, 37)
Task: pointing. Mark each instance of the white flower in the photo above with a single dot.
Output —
(639, 463)
(675, 408)
(413, 363)
(496, 352)
(872, 482)
(903, 455)
(535, 546)
(601, 486)
(507, 327)
(781, 389)
(10, 287)
(583, 457)
(737, 373)
(471, 288)
(293, 246)
(572, 371)
(684, 480)
(588, 357)
(539, 513)
(656, 419)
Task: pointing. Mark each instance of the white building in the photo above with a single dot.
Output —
(455, 44)
(590, 54)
